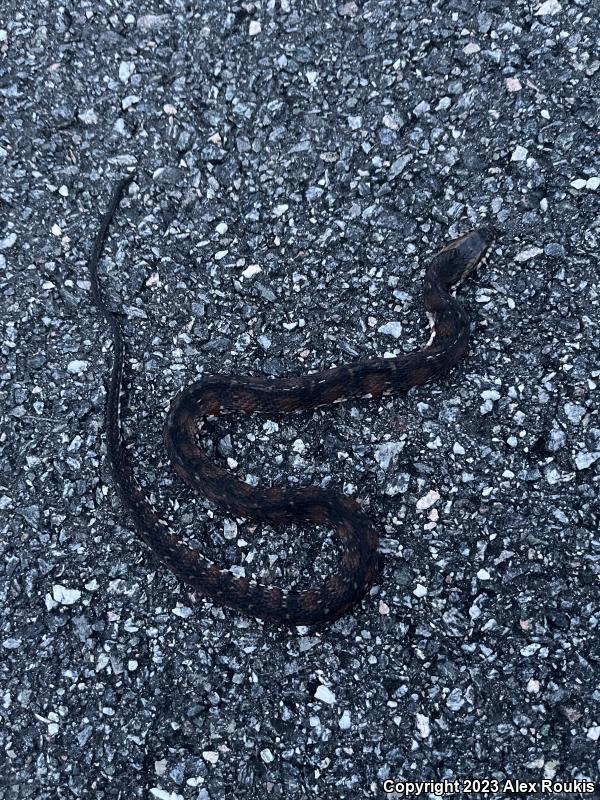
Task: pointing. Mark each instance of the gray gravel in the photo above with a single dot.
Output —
(298, 163)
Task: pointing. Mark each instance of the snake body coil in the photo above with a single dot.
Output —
(360, 563)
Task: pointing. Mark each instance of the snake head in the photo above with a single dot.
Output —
(455, 262)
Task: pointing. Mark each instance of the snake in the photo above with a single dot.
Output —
(360, 563)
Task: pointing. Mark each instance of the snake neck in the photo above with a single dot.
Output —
(448, 318)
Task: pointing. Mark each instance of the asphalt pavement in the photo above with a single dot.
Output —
(297, 165)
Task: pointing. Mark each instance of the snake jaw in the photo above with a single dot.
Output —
(472, 266)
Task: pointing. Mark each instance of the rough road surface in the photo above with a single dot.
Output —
(297, 165)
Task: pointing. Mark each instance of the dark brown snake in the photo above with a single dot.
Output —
(360, 564)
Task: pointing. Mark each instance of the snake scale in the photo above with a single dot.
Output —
(360, 563)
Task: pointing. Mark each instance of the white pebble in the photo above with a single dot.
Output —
(267, 756)
(49, 602)
(182, 611)
(254, 28)
(528, 253)
(9, 240)
(126, 70)
(162, 794)
(594, 733)
(483, 575)
(513, 85)
(221, 228)
(550, 768)
(391, 329)
(519, 153)
(455, 700)
(129, 101)
(345, 721)
(88, 117)
(399, 166)
(348, 10)
(148, 22)
(574, 412)
(64, 595)
(423, 727)
(428, 500)
(388, 453)
(211, 756)
(530, 649)
(77, 367)
(325, 695)
(251, 270)
(547, 8)
(420, 590)
(585, 460)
